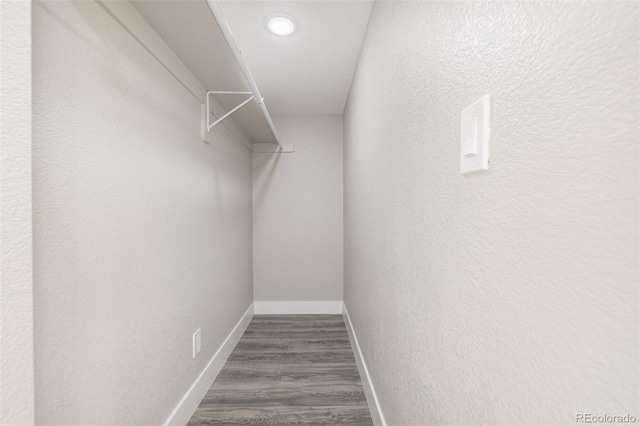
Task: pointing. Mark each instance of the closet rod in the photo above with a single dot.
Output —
(231, 41)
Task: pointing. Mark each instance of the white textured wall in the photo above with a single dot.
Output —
(142, 233)
(510, 296)
(16, 266)
(297, 212)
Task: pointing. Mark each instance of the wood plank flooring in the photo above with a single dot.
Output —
(288, 370)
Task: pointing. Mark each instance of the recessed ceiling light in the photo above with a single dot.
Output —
(280, 24)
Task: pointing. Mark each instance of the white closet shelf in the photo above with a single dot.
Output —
(223, 26)
(192, 40)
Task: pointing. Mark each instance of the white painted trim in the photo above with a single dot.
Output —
(300, 308)
(367, 383)
(190, 401)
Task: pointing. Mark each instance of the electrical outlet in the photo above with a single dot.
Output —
(197, 342)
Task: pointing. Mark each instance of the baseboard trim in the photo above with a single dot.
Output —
(367, 383)
(190, 401)
(300, 308)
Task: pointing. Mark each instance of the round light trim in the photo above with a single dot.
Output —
(280, 25)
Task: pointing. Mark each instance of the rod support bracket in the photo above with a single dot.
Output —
(210, 125)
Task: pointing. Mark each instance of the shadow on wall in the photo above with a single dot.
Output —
(114, 78)
(267, 164)
(217, 159)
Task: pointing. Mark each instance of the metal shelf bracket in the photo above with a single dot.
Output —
(217, 92)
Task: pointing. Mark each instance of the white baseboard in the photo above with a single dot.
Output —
(369, 391)
(300, 308)
(190, 401)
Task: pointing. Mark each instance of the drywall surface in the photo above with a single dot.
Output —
(310, 71)
(508, 296)
(297, 212)
(142, 232)
(16, 267)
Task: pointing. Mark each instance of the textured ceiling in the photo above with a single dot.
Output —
(309, 72)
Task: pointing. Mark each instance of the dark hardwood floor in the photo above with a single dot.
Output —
(288, 370)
